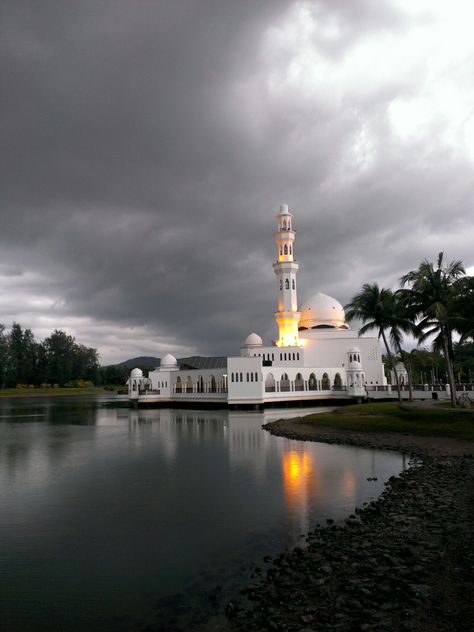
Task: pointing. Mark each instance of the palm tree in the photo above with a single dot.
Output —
(401, 320)
(431, 298)
(377, 309)
(463, 307)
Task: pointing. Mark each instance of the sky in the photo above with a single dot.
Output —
(148, 144)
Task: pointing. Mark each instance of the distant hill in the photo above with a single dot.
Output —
(191, 362)
(133, 362)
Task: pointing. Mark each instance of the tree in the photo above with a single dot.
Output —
(430, 297)
(377, 309)
(3, 356)
(59, 350)
(464, 361)
(20, 365)
(426, 363)
(463, 308)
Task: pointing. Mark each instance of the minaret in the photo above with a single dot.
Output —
(286, 268)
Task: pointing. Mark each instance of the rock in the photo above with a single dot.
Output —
(423, 590)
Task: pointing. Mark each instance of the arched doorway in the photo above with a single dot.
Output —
(299, 383)
(325, 384)
(337, 382)
(270, 383)
(189, 384)
(284, 383)
(200, 384)
(179, 385)
(212, 384)
(312, 383)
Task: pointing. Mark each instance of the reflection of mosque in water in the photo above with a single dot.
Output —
(310, 473)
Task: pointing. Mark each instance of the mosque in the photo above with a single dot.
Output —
(316, 356)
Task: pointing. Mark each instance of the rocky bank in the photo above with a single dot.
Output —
(402, 562)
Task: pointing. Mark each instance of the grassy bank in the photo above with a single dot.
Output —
(50, 392)
(390, 417)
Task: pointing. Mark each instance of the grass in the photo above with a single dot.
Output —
(390, 417)
(50, 392)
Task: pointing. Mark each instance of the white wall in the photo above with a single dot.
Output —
(242, 386)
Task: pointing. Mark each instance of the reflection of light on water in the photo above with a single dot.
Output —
(349, 485)
(296, 467)
(300, 486)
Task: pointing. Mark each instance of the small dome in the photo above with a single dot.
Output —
(353, 350)
(284, 209)
(253, 340)
(136, 372)
(168, 361)
(322, 312)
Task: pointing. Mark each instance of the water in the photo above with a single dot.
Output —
(114, 519)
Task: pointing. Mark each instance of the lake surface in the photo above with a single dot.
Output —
(114, 518)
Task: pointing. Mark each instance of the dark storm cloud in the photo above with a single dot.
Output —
(148, 145)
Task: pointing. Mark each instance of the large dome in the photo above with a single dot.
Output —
(322, 312)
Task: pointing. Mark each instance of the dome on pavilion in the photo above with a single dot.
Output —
(169, 361)
(253, 340)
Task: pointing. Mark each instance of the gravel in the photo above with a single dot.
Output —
(402, 562)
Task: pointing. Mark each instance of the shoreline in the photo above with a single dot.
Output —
(410, 444)
(403, 562)
(53, 392)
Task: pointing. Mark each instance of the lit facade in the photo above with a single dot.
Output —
(316, 355)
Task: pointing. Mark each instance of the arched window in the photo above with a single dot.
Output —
(287, 284)
(293, 284)
(247, 377)
(325, 385)
(256, 377)
(269, 384)
(297, 356)
(212, 384)
(231, 377)
(337, 382)
(189, 384)
(299, 384)
(273, 357)
(281, 284)
(241, 378)
(179, 386)
(312, 384)
(134, 385)
(290, 250)
(284, 383)
(285, 250)
(251, 377)
(200, 384)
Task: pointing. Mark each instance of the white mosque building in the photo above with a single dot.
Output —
(316, 356)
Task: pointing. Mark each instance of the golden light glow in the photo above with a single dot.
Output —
(299, 478)
(288, 333)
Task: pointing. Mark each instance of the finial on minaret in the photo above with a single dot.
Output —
(286, 269)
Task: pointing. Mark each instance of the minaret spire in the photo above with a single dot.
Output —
(286, 269)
